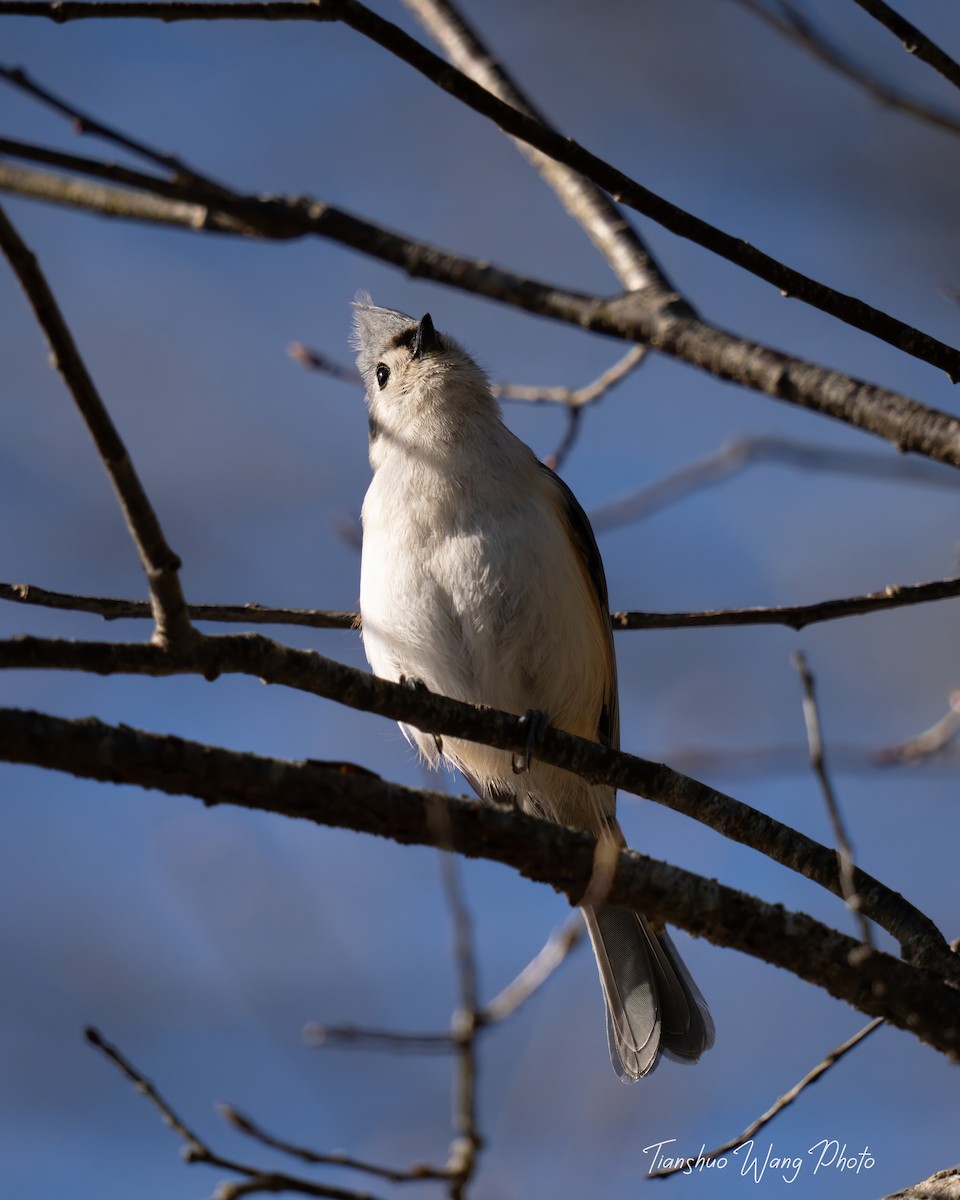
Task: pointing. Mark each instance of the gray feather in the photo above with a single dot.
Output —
(373, 329)
(653, 1005)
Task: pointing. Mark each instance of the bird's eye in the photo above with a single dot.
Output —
(383, 374)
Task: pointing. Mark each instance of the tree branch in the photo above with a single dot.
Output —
(564, 150)
(914, 42)
(796, 27)
(882, 986)
(793, 616)
(783, 1102)
(908, 425)
(628, 257)
(251, 654)
(159, 561)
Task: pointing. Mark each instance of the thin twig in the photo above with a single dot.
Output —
(620, 244)
(794, 616)
(738, 453)
(574, 397)
(811, 717)
(465, 1026)
(926, 744)
(233, 614)
(315, 1034)
(796, 27)
(914, 42)
(536, 973)
(159, 562)
(83, 123)
(243, 1123)
(196, 1150)
(783, 1102)
(313, 360)
(195, 1145)
(559, 454)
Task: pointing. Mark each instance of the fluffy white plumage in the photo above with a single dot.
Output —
(481, 579)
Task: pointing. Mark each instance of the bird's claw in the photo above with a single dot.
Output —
(535, 722)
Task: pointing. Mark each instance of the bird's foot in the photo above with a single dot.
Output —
(535, 722)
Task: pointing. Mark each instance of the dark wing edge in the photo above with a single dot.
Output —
(582, 536)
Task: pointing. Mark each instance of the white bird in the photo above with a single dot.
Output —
(481, 579)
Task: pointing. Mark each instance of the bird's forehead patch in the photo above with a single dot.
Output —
(404, 338)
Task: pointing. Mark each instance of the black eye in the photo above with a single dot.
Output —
(383, 374)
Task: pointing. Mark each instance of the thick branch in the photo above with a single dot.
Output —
(564, 150)
(159, 561)
(251, 654)
(908, 425)
(904, 995)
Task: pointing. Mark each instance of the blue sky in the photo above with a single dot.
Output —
(202, 941)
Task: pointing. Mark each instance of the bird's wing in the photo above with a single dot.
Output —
(585, 544)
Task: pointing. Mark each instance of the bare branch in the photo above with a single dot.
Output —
(796, 27)
(811, 717)
(564, 150)
(159, 561)
(317, 1035)
(307, 671)
(882, 986)
(739, 453)
(237, 614)
(467, 1142)
(628, 257)
(926, 744)
(574, 397)
(908, 425)
(536, 973)
(914, 42)
(783, 1102)
(796, 616)
(194, 1143)
(419, 1171)
(83, 123)
(197, 1151)
(313, 360)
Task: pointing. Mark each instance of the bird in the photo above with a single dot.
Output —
(481, 580)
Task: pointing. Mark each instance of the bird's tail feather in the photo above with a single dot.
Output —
(653, 1005)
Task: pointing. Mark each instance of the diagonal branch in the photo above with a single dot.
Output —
(908, 425)
(620, 244)
(310, 672)
(882, 986)
(566, 151)
(795, 26)
(783, 1102)
(914, 41)
(195, 1150)
(159, 562)
(83, 123)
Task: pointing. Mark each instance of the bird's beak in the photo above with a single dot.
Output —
(426, 340)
